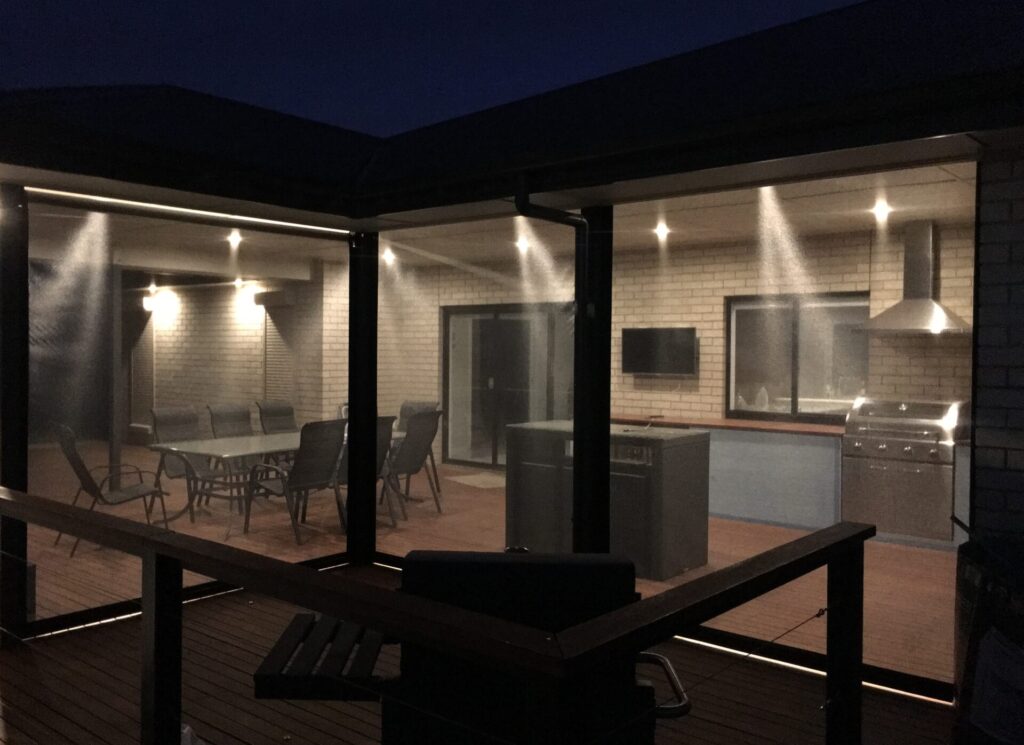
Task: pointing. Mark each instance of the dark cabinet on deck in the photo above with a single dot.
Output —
(659, 494)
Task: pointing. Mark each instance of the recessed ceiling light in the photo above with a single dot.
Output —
(881, 210)
(234, 239)
(238, 283)
(662, 231)
(388, 256)
(523, 245)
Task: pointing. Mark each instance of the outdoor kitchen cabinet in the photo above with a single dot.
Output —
(659, 494)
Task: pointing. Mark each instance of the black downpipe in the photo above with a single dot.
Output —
(591, 372)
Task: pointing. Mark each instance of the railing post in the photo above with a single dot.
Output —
(362, 397)
(161, 650)
(14, 375)
(845, 646)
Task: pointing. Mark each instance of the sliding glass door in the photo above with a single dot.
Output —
(505, 364)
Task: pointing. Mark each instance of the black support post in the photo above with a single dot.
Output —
(118, 391)
(592, 382)
(14, 361)
(362, 397)
(161, 650)
(844, 650)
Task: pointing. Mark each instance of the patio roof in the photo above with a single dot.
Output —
(879, 72)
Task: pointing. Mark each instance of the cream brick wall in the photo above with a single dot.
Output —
(208, 353)
(688, 287)
(207, 356)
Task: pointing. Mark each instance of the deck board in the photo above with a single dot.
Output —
(909, 592)
(83, 687)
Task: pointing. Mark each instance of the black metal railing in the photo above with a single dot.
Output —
(533, 655)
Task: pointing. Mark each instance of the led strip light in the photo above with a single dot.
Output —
(152, 206)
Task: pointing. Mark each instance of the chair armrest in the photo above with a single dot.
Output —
(121, 469)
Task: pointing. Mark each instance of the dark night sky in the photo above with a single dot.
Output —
(377, 66)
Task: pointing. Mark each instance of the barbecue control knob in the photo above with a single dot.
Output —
(857, 445)
(908, 450)
(883, 447)
(933, 452)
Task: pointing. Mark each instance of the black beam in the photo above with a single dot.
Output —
(14, 366)
(592, 383)
(844, 647)
(118, 376)
(161, 650)
(362, 397)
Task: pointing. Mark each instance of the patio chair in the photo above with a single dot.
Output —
(412, 453)
(277, 416)
(99, 492)
(176, 424)
(230, 420)
(385, 425)
(315, 468)
(234, 420)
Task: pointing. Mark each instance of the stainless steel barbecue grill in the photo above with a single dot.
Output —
(898, 465)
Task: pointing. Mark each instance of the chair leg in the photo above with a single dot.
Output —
(433, 467)
(146, 508)
(78, 540)
(305, 504)
(385, 493)
(163, 506)
(293, 513)
(396, 489)
(340, 504)
(74, 502)
(435, 490)
(248, 507)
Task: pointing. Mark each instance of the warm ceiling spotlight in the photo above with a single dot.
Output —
(389, 256)
(662, 231)
(881, 210)
(238, 283)
(234, 239)
(523, 245)
(152, 288)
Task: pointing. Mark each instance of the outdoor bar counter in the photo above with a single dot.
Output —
(659, 493)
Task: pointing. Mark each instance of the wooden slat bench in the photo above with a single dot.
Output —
(322, 659)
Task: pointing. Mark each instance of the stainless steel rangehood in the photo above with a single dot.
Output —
(918, 312)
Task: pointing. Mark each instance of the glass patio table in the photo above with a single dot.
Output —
(225, 449)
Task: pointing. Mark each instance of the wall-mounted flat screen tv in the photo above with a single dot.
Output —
(660, 351)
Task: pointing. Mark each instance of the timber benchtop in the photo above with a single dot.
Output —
(750, 425)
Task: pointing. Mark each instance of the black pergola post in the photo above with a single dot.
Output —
(13, 404)
(592, 382)
(362, 397)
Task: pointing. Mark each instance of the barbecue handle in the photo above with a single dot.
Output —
(681, 706)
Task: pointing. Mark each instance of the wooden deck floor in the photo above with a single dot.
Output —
(909, 592)
(82, 688)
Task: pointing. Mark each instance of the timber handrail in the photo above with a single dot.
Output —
(518, 650)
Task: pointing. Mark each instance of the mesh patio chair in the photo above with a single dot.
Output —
(385, 424)
(99, 492)
(277, 416)
(176, 424)
(315, 468)
(230, 420)
(408, 408)
(234, 420)
(405, 411)
(412, 453)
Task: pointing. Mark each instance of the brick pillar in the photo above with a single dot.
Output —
(998, 452)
